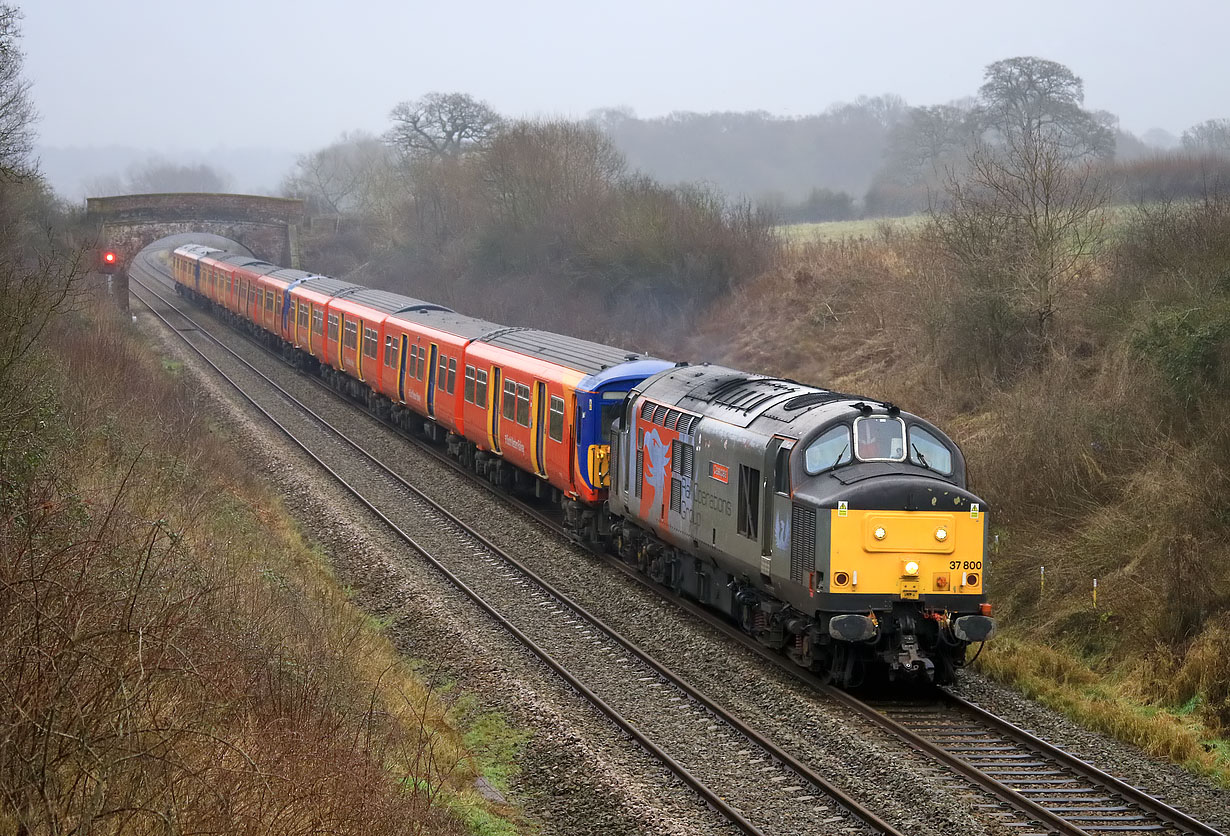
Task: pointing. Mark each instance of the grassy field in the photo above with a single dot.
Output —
(838, 230)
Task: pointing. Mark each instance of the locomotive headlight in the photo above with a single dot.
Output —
(911, 568)
(880, 533)
(941, 534)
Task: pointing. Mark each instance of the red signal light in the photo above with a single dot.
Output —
(108, 261)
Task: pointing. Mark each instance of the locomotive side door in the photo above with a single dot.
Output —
(775, 528)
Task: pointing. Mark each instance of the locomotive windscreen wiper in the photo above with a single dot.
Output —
(921, 458)
(839, 455)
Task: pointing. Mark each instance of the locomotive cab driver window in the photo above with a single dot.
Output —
(830, 449)
(879, 438)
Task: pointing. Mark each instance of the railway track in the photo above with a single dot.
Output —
(690, 734)
(1014, 777)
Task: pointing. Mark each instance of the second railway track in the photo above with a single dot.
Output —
(1012, 777)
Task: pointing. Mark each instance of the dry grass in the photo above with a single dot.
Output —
(173, 656)
(1108, 704)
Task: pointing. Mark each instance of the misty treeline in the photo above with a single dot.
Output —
(454, 199)
(879, 156)
(159, 176)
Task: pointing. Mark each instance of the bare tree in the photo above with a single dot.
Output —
(346, 177)
(1210, 135)
(17, 114)
(442, 125)
(1027, 99)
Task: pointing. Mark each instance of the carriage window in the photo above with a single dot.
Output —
(318, 321)
(452, 376)
(352, 334)
(879, 438)
(480, 388)
(523, 405)
(390, 351)
(556, 427)
(303, 315)
(371, 340)
(442, 373)
(268, 300)
(414, 362)
(469, 384)
(510, 399)
(929, 451)
(829, 450)
(333, 327)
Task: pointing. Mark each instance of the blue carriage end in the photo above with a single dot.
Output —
(600, 399)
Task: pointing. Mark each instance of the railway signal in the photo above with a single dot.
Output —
(108, 261)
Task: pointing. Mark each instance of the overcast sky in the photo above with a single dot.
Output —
(175, 76)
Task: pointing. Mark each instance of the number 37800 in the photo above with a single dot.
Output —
(967, 564)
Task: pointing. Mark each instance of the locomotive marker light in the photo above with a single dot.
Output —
(880, 533)
(941, 534)
(911, 568)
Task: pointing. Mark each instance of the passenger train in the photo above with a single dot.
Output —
(836, 528)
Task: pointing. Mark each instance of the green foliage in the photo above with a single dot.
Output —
(1191, 347)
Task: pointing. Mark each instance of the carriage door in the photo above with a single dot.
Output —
(431, 380)
(540, 418)
(401, 371)
(493, 407)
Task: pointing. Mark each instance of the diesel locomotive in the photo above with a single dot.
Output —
(836, 528)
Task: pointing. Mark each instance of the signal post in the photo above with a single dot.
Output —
(111, 265)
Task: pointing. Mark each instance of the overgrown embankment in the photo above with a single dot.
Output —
(173, 654)
(1104, 451)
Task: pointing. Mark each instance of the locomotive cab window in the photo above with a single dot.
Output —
(928, 451)
(879, 438)
(781, 471)
(829, 450)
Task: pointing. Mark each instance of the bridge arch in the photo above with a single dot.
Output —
(267, 226)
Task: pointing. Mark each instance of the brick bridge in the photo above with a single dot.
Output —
(268, 226)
